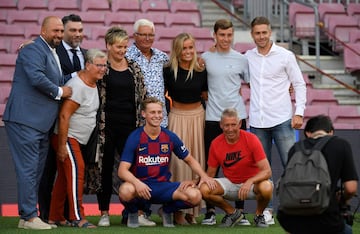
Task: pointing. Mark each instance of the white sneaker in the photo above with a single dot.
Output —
(145, 221)
(244, 222)
(168, 220)
(269, 218)
(104, 221)
(36, 224)
(21, 223)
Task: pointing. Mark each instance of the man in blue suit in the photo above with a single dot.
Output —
(30, 113)
(73, 36)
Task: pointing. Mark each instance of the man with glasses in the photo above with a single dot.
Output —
(151, 61)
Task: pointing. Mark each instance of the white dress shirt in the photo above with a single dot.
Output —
(270, 79)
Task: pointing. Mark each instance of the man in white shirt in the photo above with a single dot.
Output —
(273, 70)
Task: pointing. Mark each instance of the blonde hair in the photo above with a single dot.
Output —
(150, 100)
(176, 52)
(115, 34)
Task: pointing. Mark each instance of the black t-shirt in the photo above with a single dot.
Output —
(182, 90)
(338, 155)
(120, 98)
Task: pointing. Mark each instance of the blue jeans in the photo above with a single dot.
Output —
(283, 136)
(347, 229)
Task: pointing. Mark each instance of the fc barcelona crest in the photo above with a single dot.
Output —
(164, 148)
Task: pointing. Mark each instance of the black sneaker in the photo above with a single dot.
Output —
(210, 218)
(230, 220)
(260, 221)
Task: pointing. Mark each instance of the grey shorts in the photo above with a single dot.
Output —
(231, 190)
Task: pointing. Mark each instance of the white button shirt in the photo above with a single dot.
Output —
(270, 79)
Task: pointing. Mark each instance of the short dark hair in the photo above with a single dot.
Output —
(260, 20)
(319, 122)
(71, 17)
(222, 24)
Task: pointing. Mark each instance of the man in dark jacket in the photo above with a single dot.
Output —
(338, 155)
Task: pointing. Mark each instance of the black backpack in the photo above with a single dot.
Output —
(305, 186)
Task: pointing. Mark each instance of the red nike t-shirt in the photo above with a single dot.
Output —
(238, 161)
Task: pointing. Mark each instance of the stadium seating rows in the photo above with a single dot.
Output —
(98, 5)
(352, 57)
(339, 24)
(302, 18)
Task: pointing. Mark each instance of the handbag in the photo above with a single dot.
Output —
(90, 150)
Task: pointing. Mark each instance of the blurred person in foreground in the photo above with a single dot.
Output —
(338, 155)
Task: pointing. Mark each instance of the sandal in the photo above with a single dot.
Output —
(190, 218)
(87, 224)
(179, 218)
(64, 223)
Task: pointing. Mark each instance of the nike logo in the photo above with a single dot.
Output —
(231, 158)
(142, 148)
(229, 164)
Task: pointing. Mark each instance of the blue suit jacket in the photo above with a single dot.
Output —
(35, 86)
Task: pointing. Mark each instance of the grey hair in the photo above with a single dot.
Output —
(230, 112)
(143, 22)
(91, 54)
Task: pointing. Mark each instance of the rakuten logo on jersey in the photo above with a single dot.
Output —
(149, 161)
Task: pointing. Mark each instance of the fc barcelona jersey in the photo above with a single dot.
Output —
(150, 158)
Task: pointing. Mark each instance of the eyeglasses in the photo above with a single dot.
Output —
(100, 66)
(144, 35)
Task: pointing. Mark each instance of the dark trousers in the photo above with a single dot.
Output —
(212, 130)
(115, 138)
